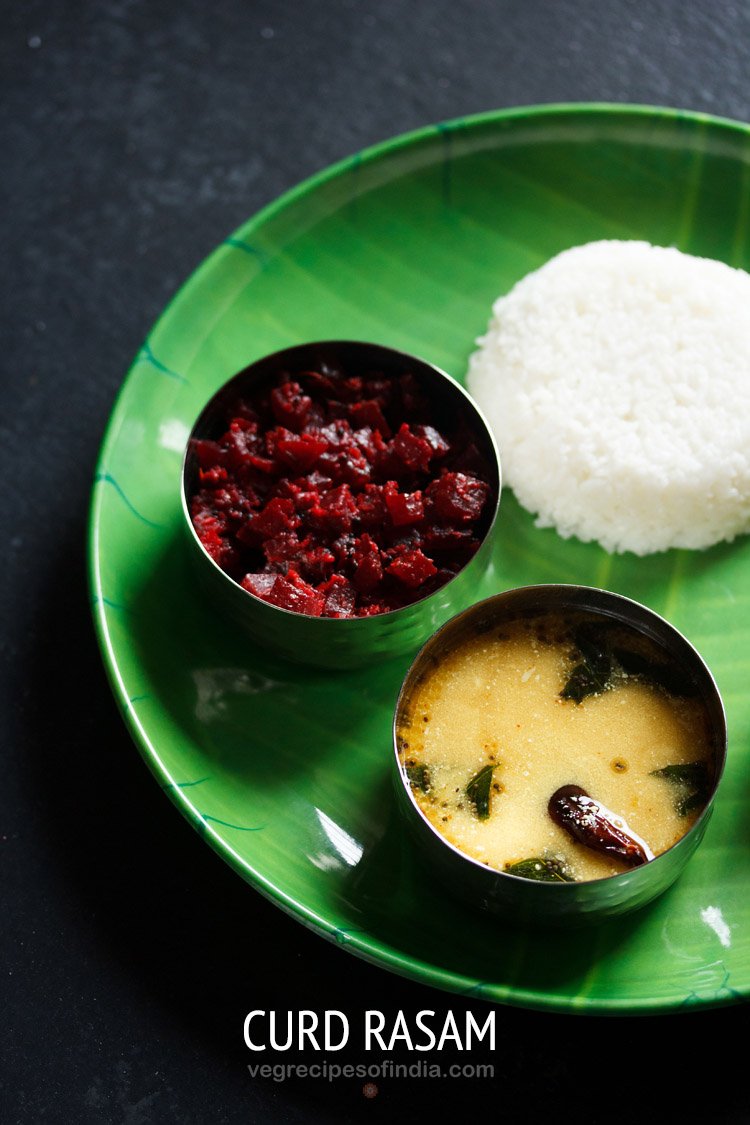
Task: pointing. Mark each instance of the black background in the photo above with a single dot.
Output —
(136, 136)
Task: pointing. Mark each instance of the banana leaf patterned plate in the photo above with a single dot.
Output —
(286, 771)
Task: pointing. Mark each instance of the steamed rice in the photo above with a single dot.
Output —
(617, 381)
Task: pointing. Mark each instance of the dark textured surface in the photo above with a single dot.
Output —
(136, 136)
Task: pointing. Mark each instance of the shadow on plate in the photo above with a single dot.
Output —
(254, 715)
(408, 909)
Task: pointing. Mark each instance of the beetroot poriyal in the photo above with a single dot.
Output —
(337, 495)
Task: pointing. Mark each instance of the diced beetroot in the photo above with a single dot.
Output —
(373, 609)
(404, 507)
(259, 584)
(316, 563)
(340, 597)
(203, 508)
(447, 538)
(214, 476)
(354, 467)
(318, 482)
(262, 464)
(435, 440)
(238, 444)
(292, 592)
(368, 567)
(372, 507)
(414, 451)
(458, 496)
(335, 512)
(290, 405)
(298, 491)
(338, 434)
(210, 530)
(370, 442)
(403, 540)
(343, 549)
(277, 516)
(208, 452)
(346, 466)
(298, 452)
(339, 517)
(369, 414)
(234, 502)
(283, 548)
(413, 568)
(388, 465)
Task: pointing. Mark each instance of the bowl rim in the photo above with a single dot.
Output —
(561, 887)
(280, 356)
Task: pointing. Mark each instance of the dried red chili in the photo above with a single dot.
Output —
(590, 823)
(340, 496)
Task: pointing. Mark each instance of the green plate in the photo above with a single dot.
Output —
(286, 772)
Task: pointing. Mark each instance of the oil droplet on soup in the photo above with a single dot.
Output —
(509, 716)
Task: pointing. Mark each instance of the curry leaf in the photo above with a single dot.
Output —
(592, 674)
(478, 791)
(419, 777)
(693, 780)
(542, 870)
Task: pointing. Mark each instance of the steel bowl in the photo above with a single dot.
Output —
(524, 901)
(341, 643)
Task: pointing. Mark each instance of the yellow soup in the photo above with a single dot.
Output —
(507, 718)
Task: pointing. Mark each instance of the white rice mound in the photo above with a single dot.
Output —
(616, 379)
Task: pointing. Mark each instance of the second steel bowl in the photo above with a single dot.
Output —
(522, 900)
